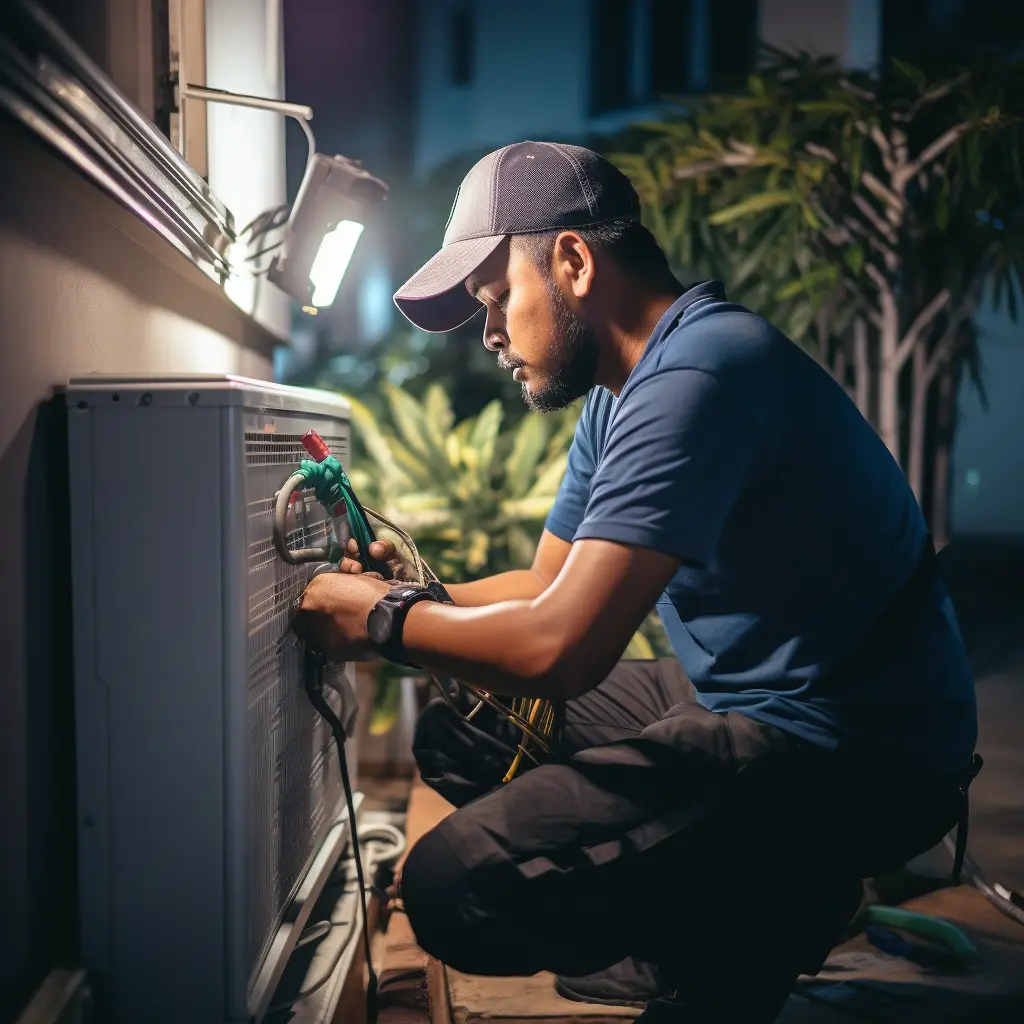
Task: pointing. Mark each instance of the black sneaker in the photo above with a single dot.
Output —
(627, 983)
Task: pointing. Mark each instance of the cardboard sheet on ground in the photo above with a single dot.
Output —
(858, 982)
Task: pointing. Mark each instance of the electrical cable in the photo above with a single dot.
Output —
(1004, 899)
(374, 833)
(271, 215)
(264, 251)
(314, 690)
(288, 1004)
(384, 831)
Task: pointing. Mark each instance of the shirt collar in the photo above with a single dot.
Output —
(701, 291)
(678, 309)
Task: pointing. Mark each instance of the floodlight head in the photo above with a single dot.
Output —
(335, 200)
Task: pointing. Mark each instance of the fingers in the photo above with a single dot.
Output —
(382, 550)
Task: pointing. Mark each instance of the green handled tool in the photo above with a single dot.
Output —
(942, 933)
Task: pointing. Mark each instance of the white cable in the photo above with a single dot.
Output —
(382, 831)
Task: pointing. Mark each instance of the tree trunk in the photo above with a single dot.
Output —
(839, 368)
(889, 410)
(861, 368)
(889, 381)
(945, 421)
(918, 420)
(822, 326)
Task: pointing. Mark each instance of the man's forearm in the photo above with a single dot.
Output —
(517, 585)
(506, 648)
(557, 645)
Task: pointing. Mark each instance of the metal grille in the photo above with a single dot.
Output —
(294, 782)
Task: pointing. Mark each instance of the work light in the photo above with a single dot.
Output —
(336, 199)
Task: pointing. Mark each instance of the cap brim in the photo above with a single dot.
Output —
(435, 297)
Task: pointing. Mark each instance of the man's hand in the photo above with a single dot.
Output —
(383, 551)
(333, 611)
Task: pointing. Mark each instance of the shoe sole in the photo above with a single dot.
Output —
(578, 997)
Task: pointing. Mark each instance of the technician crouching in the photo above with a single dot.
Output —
(700, 837)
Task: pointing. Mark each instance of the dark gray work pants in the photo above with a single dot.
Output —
(705, 843)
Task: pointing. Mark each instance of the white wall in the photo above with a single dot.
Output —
(245, 54)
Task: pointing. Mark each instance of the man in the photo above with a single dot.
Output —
(699, 837)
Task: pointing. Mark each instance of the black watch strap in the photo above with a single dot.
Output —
(386, 620)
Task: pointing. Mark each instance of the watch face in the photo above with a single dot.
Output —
(378, 625)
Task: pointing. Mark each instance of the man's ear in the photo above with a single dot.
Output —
(574, 262)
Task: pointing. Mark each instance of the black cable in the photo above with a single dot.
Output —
(264, 251)
(257, 226)
(314, 689)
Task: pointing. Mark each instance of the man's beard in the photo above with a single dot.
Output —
(576, 346)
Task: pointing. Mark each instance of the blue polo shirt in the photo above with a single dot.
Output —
(732, 450)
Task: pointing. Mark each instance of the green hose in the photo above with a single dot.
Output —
(332, 487)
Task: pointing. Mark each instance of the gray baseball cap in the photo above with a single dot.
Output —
(526, 188)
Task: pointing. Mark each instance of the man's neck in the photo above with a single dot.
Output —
(626, 338)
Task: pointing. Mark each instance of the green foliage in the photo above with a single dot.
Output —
(798, 190)
(474, 497)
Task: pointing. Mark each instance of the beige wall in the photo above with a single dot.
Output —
(84, 287)
(850, 29)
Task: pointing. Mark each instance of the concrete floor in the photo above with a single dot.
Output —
(987, 584)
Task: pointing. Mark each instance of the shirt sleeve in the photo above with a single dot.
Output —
(678, 454)
(570, 503)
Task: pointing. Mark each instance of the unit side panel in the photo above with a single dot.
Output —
(158, 618)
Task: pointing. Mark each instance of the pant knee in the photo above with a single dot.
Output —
(460, 916)
(432, 883)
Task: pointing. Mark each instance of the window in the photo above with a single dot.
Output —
(936, 32)
(670, 47)
(611, 50)
(163, 77)
(732, 46)
(462, 53)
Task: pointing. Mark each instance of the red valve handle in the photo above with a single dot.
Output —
(316, 446)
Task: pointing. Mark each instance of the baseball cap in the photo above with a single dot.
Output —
(522, 189)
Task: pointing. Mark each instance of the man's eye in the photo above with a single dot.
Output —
(503, 303)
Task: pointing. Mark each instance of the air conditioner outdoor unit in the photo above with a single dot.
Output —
(210, 806)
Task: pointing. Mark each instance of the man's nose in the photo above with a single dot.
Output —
(494, 338)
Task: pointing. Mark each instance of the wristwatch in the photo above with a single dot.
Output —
(386, 620)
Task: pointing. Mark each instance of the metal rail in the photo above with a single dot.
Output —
(49, 84)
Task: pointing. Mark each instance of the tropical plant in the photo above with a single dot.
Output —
(864, 214)
(473, 497)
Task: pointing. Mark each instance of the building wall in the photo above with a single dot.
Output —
(529, 77)
(851, 29)
(84, 287)
(987, 497)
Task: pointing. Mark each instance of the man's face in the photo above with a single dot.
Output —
(550, 350)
